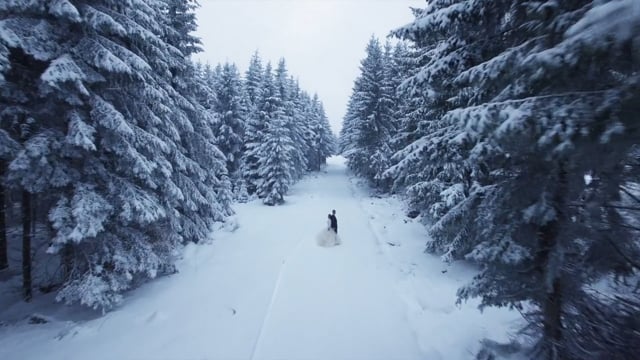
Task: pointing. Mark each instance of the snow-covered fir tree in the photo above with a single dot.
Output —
(8, 148)
(368, 124)
(305, 126)
(198, 140)
(182, 20)
(274, 153)
(231, 110)
(408, 102)
(516, 118)
(323, 140)
(241, 112)
(254, 126)
(273, 99)
(295, 124)
(431, 167)
(125, 170)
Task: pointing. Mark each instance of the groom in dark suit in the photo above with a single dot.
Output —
(334, 221)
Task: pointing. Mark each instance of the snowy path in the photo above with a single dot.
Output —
(334, 303)
(267, 291)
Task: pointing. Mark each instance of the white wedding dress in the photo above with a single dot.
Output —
(328, 237)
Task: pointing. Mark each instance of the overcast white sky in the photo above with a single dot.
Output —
(323, 41)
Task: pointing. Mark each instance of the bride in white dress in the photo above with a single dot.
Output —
(328, 237)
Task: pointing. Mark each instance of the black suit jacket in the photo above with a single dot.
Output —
(334, 222)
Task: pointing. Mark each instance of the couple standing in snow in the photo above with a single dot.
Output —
(329, 237)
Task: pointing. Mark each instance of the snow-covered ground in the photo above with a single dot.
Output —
(263, 289)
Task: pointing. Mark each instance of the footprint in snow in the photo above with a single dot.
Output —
(152, 317)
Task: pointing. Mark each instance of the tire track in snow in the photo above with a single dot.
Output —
(406, 300)
(358, 199)
(274, 296)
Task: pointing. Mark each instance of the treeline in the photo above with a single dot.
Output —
(271, 131)
(512, 127)
(115, 149)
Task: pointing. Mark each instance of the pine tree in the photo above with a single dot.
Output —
(296, 127)
(212, 189)
(254, 130)
(410, 168)
(324, 144)
(307, 127)
(347, 139)
(276, 166)
(27, 127)
(8, 148)
(328, 139)
(182, 24)
(381, 159)
(525, 119)
(124, 171)
(368, 124)
(274, 154)
(274, 99)
(231, 109)
(407, 101)
(432, 167)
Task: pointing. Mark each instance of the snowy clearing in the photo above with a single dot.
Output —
(265, 290)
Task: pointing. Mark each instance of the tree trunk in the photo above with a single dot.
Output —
(26, 245)
(33, 204)
(552, 301)
(552, 318)
(4, 254)
(67, 261)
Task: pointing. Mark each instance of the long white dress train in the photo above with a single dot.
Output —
(328, 237)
